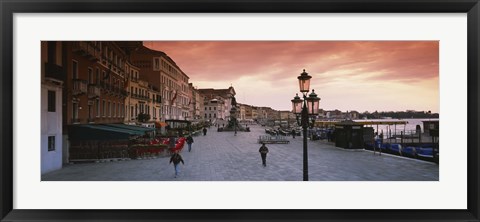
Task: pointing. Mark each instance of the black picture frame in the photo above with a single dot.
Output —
(9, 7)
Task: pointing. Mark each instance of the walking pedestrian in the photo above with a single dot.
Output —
(263, 153)
(189, 142)
(293, 133)
(176, 159)
(204, 131)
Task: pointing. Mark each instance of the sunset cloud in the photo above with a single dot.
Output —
(354, 75)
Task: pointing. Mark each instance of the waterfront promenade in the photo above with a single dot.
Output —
(221, 156)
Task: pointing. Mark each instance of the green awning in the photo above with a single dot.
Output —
(130, 127)
(100, 132)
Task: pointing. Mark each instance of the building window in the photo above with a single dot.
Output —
(90, 113)
(109, 111)
(97, 75)
(214, 115)
(75, 112)
(104, 76)
(90, 75)
(121, 110)
(114, 110)
(51, 101)
(75, 69)
(97, 107)
(214, 108)
(210, 115)
(104, 109)
(156, 64)
(51, 143)
(52, 52)
(209, 108)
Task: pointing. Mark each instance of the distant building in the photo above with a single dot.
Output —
(196, 103)
(248, 112)
(217, 103)
(214, 110)
(242, 112)
(353, 115)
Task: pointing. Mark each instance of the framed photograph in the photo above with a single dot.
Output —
(220, 110)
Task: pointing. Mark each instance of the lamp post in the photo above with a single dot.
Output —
(308, 107)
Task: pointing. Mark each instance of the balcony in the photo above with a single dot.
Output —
(104, 86)
(138, 96)
(93, 91)
(105, 60)
(54, 71)
(107, 87)
(157, 100)
(114, 89)
(123, 93)
(87, 49)
(79, 86)
(119, 92)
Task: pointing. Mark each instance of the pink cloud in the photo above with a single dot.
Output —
(228, 60)
(404, 62)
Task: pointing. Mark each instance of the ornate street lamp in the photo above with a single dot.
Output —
(313, 103)
(303, 109)
(304, 82)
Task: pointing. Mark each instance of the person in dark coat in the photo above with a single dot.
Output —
(263, 153)
(204, 131)
(189, 142)
(176, 159)
(293, 133)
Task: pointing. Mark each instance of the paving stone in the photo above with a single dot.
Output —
(222, 156)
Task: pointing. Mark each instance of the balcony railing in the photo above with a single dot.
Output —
(123, 92)
(93, 91)
(105, 86)
(157, 100)
(54, 71)
(112, 66)
(79, 86)
(138, 96)
(87, 49)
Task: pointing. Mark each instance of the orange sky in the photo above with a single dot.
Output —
(347, 75)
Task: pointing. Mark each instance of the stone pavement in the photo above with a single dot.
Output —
(221, 156)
